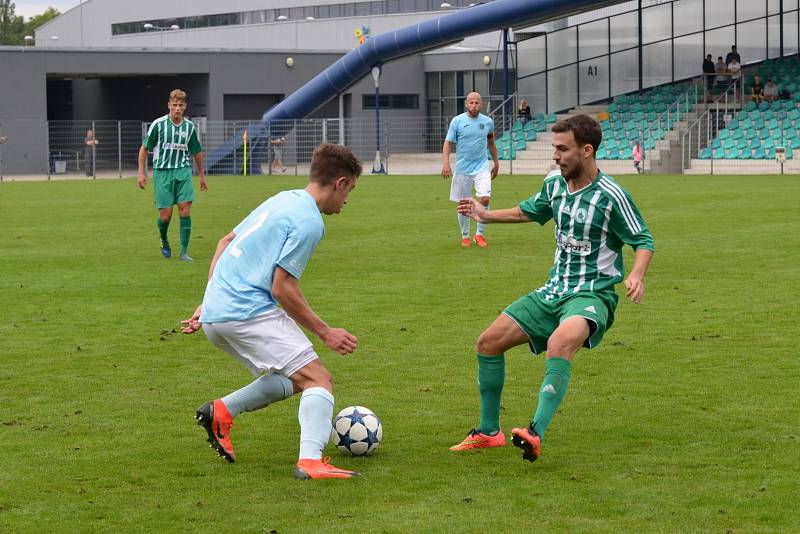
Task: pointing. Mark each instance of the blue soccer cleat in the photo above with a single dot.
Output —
(165, 250)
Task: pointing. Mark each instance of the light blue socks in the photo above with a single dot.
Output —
(262, 392)
(315, 414)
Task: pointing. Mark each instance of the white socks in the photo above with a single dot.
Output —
(262, 392)
(315, 414)
(463, 223)
(481, 226)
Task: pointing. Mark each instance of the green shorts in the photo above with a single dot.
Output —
(172, 186)
(539, 318)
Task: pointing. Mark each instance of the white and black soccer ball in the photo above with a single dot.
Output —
(357, 431)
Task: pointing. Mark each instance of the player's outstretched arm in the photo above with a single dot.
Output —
(286, 289)
(634, 283)
(142, 181)
(475, 210)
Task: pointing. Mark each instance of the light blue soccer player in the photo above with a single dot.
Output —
(253, 299)
(471, 133)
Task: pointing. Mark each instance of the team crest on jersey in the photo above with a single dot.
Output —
(483, 126)
(580, 215)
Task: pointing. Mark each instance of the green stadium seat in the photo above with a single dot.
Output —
(763, 106)
(520, 144)
(737, 134)
(517, 126)
(716, 143)
(724, 134)
(650, 143)
(745, 153)
(601, 153)
(719, 153)
(507, 154)
(734, 124)
(540, 126)
(746, 124)
(750, 133)
(551, 118)
(773, 124)
(755, 143)
(750, 106)
(538, 116)
(705, 153)
(731, 153)
(742, 144)
(758, 124)
(626, 153)
(759, 153)
(794, 142)
(770, 152)
(789, 153)
(612, 107)
(610, 144)
(769, 114)
(530, 135)
(528, 126)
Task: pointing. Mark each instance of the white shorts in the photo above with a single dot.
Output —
(269, 343)
(461, 185)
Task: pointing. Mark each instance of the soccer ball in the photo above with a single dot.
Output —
(357, 431)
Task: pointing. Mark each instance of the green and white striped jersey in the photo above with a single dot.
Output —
(591, 226)
(172, 143)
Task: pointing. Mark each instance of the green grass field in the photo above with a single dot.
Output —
(684, 419)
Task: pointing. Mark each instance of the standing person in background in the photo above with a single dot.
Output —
(708, 73)
(721, 70)
(735, 70)
(172, 138)
(277, 154)
(90, 142)
(637, 157)
(733, 54)
(470, 134)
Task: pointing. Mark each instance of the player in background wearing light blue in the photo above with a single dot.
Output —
(253, 299)
(471, 133)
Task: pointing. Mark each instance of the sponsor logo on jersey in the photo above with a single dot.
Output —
(175, 146)
(571, 245)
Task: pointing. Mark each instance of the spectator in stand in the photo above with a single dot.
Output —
(735, 70)
(524, 111)
(708, 74)
(770, 91)
(636, 153)
(733, 54)
(758, 90)
(721, 68)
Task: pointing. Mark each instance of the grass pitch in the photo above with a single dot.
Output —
(684, 419)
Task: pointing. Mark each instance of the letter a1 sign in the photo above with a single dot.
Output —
(592, 70)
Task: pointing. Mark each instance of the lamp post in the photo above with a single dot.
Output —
(377, 165)
(161, 30)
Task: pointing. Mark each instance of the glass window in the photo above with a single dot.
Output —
(362, 8)
(789, 5)
(295, 13)
(467, 82)
(432, 88)
(593, 39)
(750, 9)
(774, 33)
(593, 76)
(790, 33)
(751, 40)
(656, 23)
(774, 7)
(687, 16)
(562, 88)
(379, 8)
(561, 48)
(624, 31)
(719, 41)
(720, 13)
(482, 82)
(531, 56)
(657, 63)
(624, 72)
(449, 104)
(534, 90)
(688, 56)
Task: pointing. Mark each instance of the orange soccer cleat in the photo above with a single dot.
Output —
(308, 468)
(215, 418)
(481, 241)
(477, 440)
(466, 242)
(529, 441)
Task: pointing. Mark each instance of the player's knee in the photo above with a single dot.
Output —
(564, 346)
(487, 344)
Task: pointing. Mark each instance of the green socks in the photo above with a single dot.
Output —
(163, 226)
(186, 231)
(554, 387)
(491, 376)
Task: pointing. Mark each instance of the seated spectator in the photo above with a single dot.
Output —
(721, 81)
(758, 90)
(524, 111)
(770, 91)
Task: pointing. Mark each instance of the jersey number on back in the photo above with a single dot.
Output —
(236, 251)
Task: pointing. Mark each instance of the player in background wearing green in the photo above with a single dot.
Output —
(594, 217)
(172, 138)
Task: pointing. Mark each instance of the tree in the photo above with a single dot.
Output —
(13, 28)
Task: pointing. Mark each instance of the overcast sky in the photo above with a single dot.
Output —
(30, 9)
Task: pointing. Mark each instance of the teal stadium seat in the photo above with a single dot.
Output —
(745, 153)
(530, 135)
(742, 144)
(759, 153)
(728, 144)
(724, 134)
(731, 153)
(705, 153)
(736, 134)
(601, 153)
(520, 144)
(716, 143)
(626, 153)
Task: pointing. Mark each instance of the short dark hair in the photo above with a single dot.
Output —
(719, 58)
(585, 129)
(331, 162)
(709, 55)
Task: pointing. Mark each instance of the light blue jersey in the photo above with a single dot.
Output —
(281, 232)
(470, 135)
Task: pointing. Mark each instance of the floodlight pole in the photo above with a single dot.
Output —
(377, 165)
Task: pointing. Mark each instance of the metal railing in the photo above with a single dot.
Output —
(699, 134)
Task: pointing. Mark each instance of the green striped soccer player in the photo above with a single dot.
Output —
(172, 138)
(594, 218)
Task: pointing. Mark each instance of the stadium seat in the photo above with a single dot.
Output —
(728, 143)
(737, 134)
(745, 153)
(705, 153)
(551, 118)
(750, 106)
(731, 153)
(742, 144)
(626, 153)
(601, 153)
(716, 143)
(612, 154)
(719, 153)
(530, 135)
(750, 133)
(794, 142)
(763, 106)
(734, 124)
(519, 143)
(724, 134)
(759, 153)
(755, 143)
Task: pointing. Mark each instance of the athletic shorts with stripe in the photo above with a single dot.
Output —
(539, 317)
